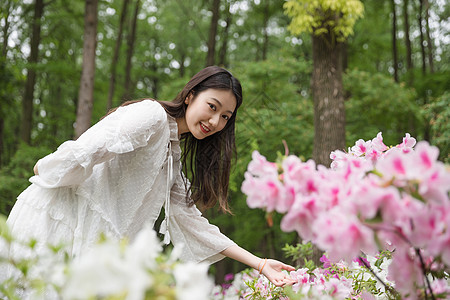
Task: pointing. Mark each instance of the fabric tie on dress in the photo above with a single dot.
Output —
(165, 224)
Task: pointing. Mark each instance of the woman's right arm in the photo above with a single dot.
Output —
(125, 130)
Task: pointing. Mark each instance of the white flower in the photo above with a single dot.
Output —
(145, 249)
(103, 271)
(192, 281)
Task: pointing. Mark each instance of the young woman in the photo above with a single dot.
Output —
(117, 176)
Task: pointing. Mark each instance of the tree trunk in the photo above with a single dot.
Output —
(2, 126)
(27, 102)
(422, 40)
(6, 29)
(182, 70)
(130, 49)
(225, 36)
(155, 80)
(265, 45)
(394, 40)
(409, 62)
(210, 58)
(429, 41)
(329, 110)
(115, 58)
(86, 93)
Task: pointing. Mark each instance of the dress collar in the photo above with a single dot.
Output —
(173, 127)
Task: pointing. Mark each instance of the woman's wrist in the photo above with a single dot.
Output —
(262, 263)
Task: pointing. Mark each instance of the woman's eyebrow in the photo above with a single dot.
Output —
(220, 104)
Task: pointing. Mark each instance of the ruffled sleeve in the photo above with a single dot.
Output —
(128, 128)
(201, 241)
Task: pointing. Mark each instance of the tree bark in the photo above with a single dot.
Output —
(27, 102)
(329, 110)
(210, 58)
(429, 41)
(422, 40)
(86, 92)
(394, 40)
(409, 62)
(115, 58)
(130, 49)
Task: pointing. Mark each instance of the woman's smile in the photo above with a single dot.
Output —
(204, 128)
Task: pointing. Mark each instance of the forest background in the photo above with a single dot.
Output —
(395, 80)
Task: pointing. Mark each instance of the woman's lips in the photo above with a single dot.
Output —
(204, 128)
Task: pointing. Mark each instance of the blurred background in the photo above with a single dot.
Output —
(389, 65)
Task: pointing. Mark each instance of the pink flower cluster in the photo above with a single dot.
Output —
(319, 284)
(372, 198)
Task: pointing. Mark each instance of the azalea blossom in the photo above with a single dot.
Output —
(372, 198)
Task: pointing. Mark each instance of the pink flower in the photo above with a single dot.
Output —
(360, 148)
(338, 158)
(407, 144)
(425, 156)
(342, 236)
(440, 287)
(440, 244)
(404, 270)
(433, 178)
(339, 288)
(372, 201)
(378, 145)
(396, 165)
(260, 167)
(303, 280)
(301, 215)
(263, 192)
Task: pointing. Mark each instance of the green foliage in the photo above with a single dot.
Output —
(438, 112)
(300, 253)
(336, 17)
(13, 177)
(377, 104)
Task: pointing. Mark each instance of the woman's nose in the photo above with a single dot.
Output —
(214, 120)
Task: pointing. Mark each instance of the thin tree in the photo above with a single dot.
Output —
(6, 26)
(86, 92)
(422, 39)
(409, 61)
(266, 13)
(27, 101)
(225, 36)
(115, 58)
(210, 57)
(131, 38)
(394, 40)
(429, 41)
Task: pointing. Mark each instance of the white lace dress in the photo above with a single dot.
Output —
(113, 180)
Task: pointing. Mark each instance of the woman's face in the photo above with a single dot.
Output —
(207, 113)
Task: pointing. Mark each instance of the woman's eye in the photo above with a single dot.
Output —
(212, 106)
(226, 117)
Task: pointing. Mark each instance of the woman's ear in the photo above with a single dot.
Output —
(188, 98)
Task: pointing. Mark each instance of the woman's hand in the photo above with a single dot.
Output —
(273, 270)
